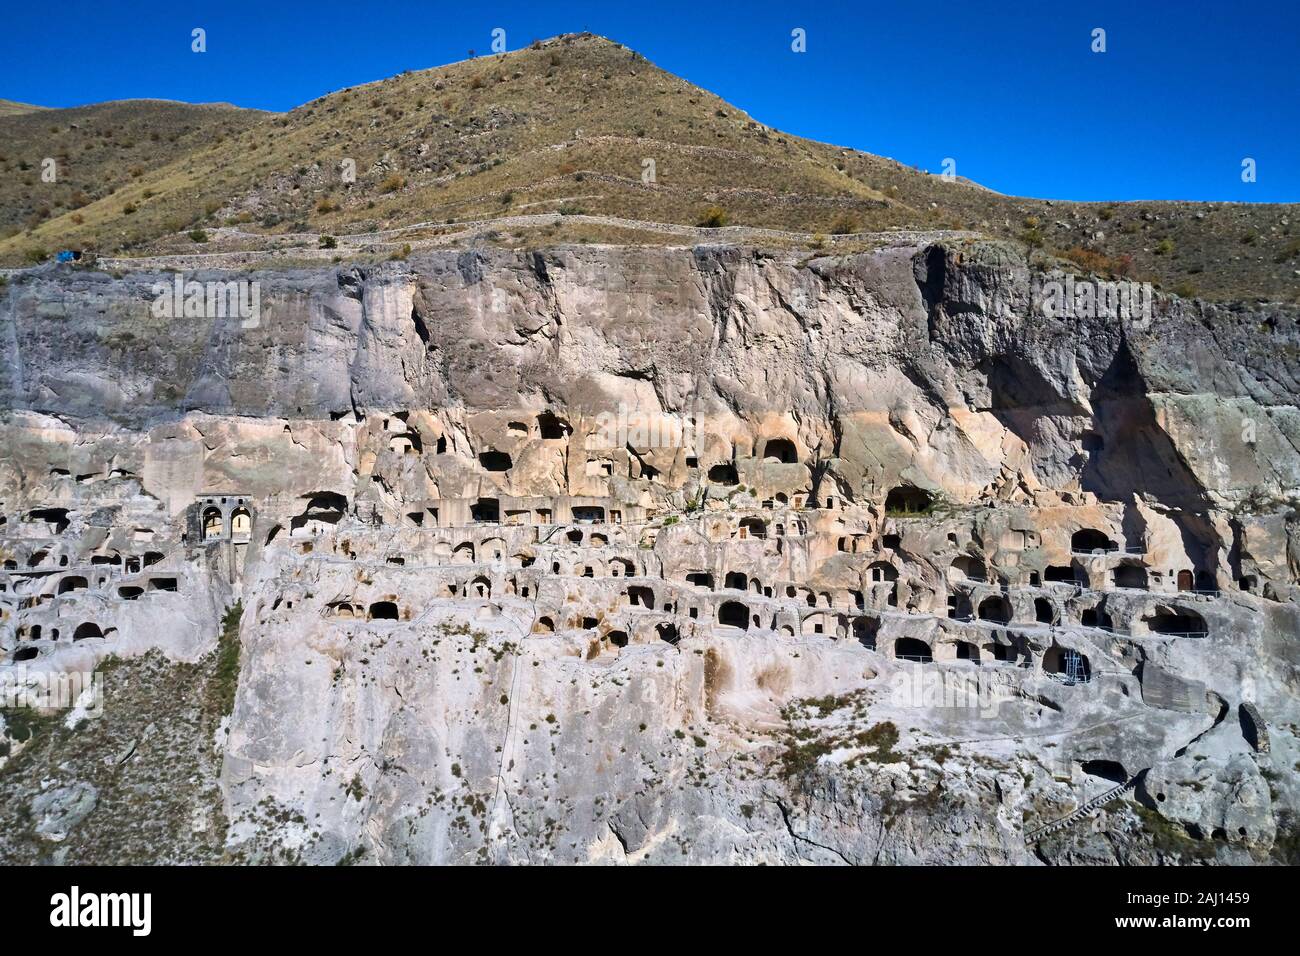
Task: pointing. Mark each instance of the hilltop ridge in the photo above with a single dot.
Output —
(579, 124)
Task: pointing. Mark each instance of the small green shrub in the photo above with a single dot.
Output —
(226, 679)
(844, 224)
(715, 217)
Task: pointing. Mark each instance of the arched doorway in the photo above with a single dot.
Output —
(241, 525)
(213, 526)
(734, 614)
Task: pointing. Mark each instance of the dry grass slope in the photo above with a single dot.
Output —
(10, 108)
(96, 151)
(567, 125)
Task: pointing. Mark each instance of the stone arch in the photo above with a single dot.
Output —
(241, 524)
(213, 524)
(341, 609)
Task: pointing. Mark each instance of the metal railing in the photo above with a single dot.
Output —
(1033, 836)
(1069, 680)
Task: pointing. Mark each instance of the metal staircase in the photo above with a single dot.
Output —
(1084, 810)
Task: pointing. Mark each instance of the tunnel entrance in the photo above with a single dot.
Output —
(908, 500)
(911, 649)
(383, 611)
(734, 614)
(780, 450)
(724, 474)
(1111, 770)
(1176, 623)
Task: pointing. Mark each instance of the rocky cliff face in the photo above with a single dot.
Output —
(662, 555)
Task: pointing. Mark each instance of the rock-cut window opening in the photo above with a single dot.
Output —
(724, 474)
(908, 500)
(495, 460)
(734, 614)
(1088, 540)
(780, 450)
(383, 611)
(911, 649)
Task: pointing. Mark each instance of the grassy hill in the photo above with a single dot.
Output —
(96, 151)
(10, 108)
(567, 125)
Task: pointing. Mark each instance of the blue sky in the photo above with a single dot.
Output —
(1010, 90)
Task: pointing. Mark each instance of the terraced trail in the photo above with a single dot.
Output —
(306, 246)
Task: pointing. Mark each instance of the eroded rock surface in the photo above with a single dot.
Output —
(664, 555)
